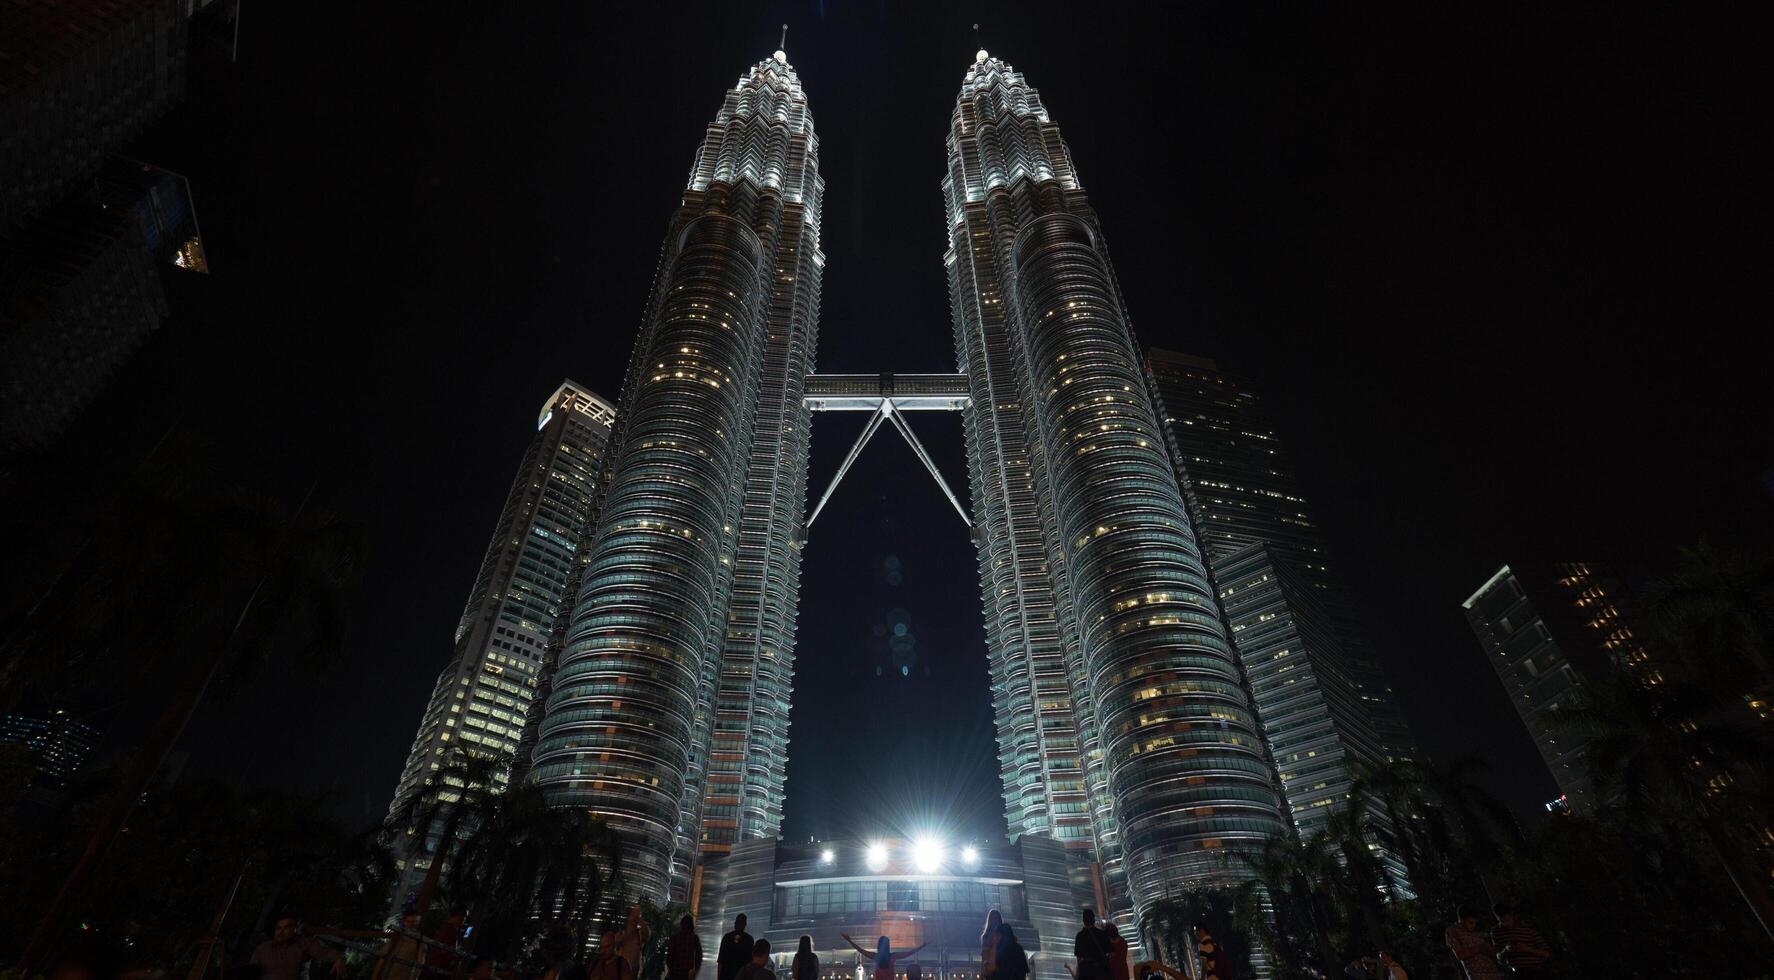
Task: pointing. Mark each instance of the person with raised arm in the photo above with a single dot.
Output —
(885, 958)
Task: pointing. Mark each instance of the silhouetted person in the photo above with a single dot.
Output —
(735, 951)
(759, 967)
(1091, 948)
(1117, 952)
(806, 963)
(1010, 961)
(885, 958)
(1473, 948)
(285, 956)
(683, 952)
(988, 944)
(1520, 945)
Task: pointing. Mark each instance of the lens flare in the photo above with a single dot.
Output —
(927, 854)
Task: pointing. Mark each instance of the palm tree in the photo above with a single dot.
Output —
(1363, 878)
(1668, 753)
(520, 861)
(661, 922)
(1714, 616)
(458, 792)
(1297, 877)
(189, 577)
(1165, 927)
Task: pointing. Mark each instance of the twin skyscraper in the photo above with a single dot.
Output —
(1126, 724)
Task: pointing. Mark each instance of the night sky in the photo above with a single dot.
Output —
(1491, 267)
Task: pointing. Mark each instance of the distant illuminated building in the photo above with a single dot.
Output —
(1242, 492)
(1313, 717)
(58, 743)
(482, 695)
(1543, 632)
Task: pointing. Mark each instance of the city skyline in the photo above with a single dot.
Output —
(1397, 297)
(1318, 411)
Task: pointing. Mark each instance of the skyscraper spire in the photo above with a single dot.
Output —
(671, 691)
(1124, 728)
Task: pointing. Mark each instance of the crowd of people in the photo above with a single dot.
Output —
(1512, 947)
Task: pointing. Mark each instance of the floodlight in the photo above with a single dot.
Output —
(927, 854)
(827, 856)
(877, 856)
(970, 856)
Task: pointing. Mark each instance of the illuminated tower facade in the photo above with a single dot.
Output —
(667, 714)
(479, 702)
(1124, 726)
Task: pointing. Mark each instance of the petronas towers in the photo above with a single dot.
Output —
(1125, 728)
(668, 713)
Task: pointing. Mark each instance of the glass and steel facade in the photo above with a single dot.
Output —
(668, 712)
(482, 695)
(1242, 492)
(1124, 726)
(1314, 720)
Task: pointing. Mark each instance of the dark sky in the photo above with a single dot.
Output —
(1493, 268)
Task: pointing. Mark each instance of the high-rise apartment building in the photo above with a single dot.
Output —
(1242, 493)
(479, 702)
(668, 712)
(1543, 630)
(58, 743)
(1124, 726)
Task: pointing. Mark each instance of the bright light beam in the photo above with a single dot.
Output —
(970, 856)
(877, 856)
(927, 854)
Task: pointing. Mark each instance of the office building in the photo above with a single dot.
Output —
(481, 697)
(668, 712)
(1543, 630)
(1128, 743)
(1242, 492)
(1124, 727)
(57, 743)
(1313, 718)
